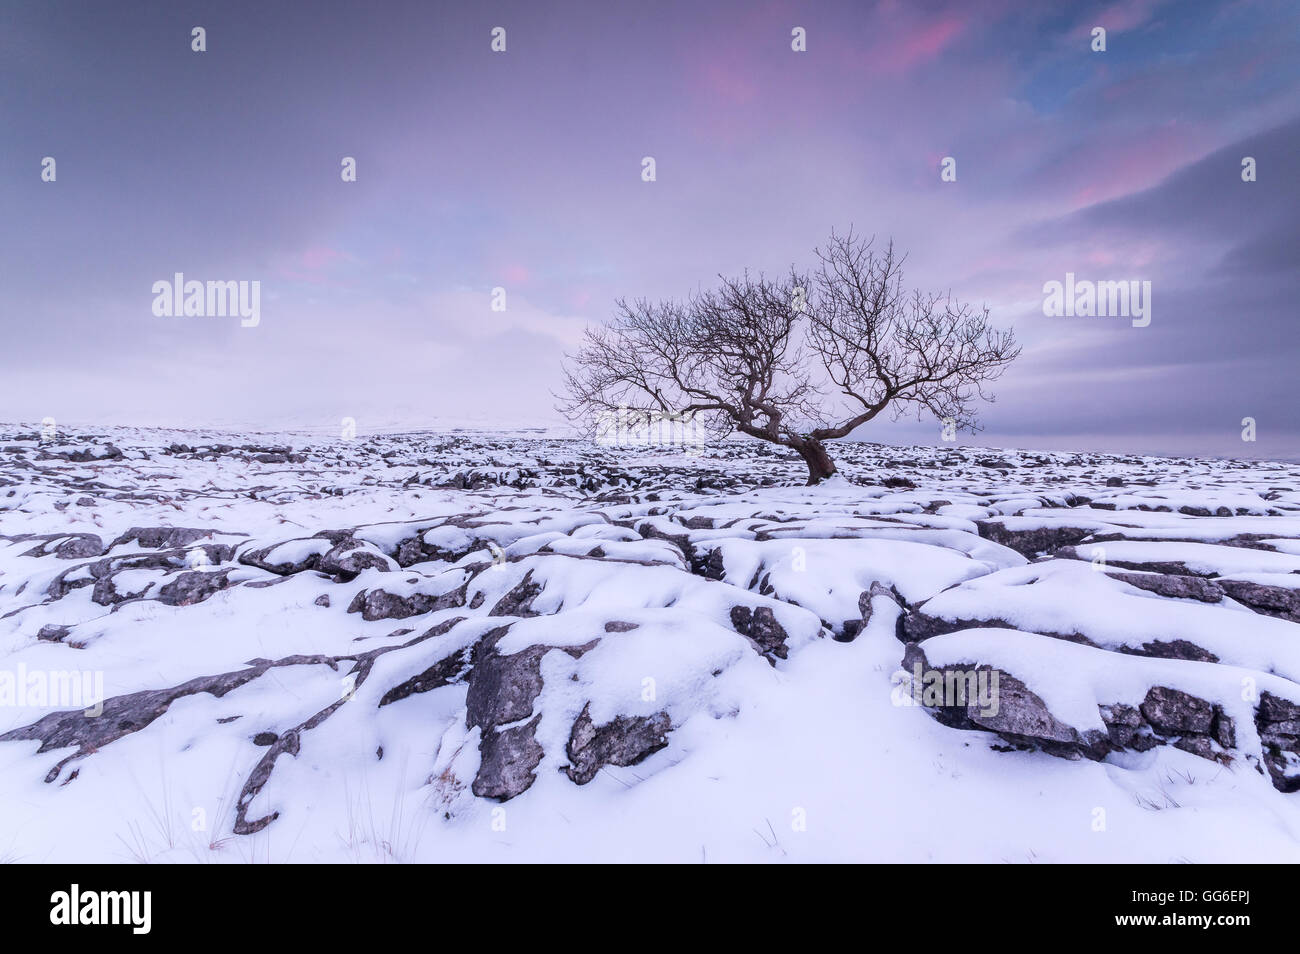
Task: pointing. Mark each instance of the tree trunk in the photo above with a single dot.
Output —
(820, 465)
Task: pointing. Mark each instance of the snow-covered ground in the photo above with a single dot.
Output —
(508, 647)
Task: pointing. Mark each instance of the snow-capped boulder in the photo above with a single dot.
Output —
(1077, 701)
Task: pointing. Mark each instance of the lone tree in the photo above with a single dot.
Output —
(797, 361)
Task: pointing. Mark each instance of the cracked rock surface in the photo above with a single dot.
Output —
(500, 646)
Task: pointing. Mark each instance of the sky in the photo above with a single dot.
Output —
(522, 170)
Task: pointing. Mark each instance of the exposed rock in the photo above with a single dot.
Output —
(260, 558)
(80, 547)
(1019, 714)
(508, 759)
(77, 546)
(1030, 543)
(347, 559)
(1126, 727)
(916, 626)
(1173, 587)
(760, 626)
(1278, 601)
(853, 627)
(105, 592)
(1166, 716)
(519, 601)
(444, 672)
(1174, 712)
(162, 538)
(709, 564)
(1278, 722)
(121, 716)
(1172, 649)
(380, 604)
(682, 541)
(1224, 729)
(625, 741)
(193, 587)
(502, 690)
(101, 573)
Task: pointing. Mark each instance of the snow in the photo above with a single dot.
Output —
(1067, 598)
(1200, 558)
(828, 576)
(1073, 680)
(640, 561)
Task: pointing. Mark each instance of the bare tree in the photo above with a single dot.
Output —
(796, 362)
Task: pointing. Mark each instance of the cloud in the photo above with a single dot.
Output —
(522, 171)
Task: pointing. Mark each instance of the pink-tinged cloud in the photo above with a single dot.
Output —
(994, 261)
(321, 257)
(314, 265)
(917, 45)
(1128, 165)
(516, 274)
(1119, 17)
(1125, 255)
(732, 82)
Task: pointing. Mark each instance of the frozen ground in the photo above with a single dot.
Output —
(504, 647)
